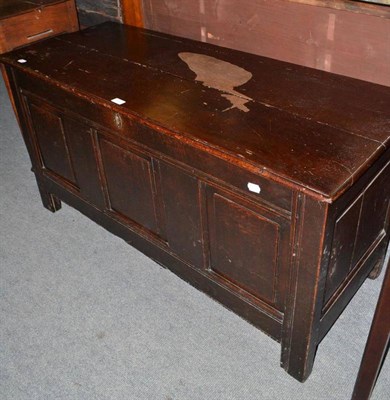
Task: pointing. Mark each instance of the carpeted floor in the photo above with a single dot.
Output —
(85, 316)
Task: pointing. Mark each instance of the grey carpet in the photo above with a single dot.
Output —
(85, 316)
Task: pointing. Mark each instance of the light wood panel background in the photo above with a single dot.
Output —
(352, 39)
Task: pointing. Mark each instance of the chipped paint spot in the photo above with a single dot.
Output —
(220, 75)
(118, 120)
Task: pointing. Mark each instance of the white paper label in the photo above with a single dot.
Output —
(118, 101)
(254, 188)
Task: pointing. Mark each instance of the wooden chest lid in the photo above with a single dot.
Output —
(307, 128)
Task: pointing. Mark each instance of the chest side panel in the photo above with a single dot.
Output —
(360, 229)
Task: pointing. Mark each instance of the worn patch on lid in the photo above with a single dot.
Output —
(220, 75)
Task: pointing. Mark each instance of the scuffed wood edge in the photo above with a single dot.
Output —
(377, 10)
(132, 13)
(7, 82)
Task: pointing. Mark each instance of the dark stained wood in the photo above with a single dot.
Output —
(376, 346)
(351, 276)
(374, 215)
(234, 251)
(281, 140)
(81, 147)
(61, 148)
(182, 210)
(24, 22)
(316, 95)
(189, 153)
(303, 306)
(51, 142)
(360, 227)
(342, 250)
(129, 184)
(235, 230)
(271, 199)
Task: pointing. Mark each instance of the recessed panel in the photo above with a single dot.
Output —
(180, 193)
(79, 137)
(243, 246)
(129, 184)
(342, 247)
(373, 216)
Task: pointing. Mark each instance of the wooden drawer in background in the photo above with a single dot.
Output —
(21, 24)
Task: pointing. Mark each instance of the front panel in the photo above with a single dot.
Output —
(130, 185)
(248, 247)
(65, 148)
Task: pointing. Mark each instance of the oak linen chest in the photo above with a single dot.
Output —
(264, 184)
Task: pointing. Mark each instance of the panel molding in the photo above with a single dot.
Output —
(274, 299)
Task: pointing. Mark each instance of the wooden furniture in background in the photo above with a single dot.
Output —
(262, 183)
(25, 21)
(377, 345)
(132, 13)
